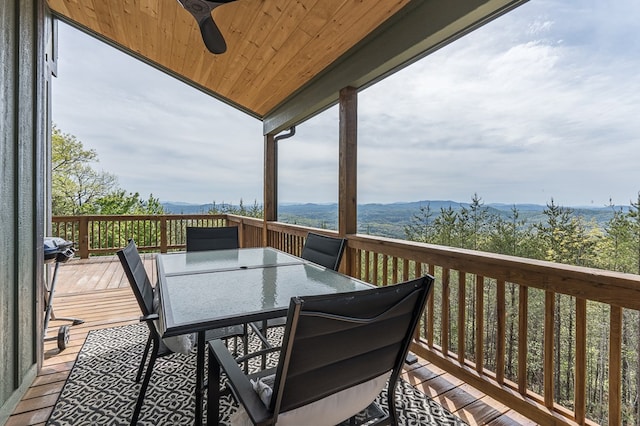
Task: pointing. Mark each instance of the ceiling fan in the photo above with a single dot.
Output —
(201, 11)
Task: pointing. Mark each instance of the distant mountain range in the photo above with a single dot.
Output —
(389, 220)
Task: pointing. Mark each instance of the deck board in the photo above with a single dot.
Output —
(97, 291)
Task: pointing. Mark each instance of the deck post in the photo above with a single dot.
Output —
(270, 184)
(83, 236)
(163, 234)
(348, 170)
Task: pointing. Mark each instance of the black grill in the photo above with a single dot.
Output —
(58, 250)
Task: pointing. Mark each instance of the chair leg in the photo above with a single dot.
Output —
(213, 390)
(245, 349)
(264, 356)
(391, 403)
(144, 359)
(145, 382)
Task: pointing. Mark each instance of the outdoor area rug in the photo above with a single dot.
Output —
(101, 389)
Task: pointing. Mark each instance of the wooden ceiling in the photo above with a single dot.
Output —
(275, 48)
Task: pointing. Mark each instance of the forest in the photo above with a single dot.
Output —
(562, 236)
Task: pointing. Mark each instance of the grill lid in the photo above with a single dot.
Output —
(58, 249)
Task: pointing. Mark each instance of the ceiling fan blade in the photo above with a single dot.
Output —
(212, 36)
(201, 11)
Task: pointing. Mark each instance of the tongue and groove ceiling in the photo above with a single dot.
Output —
(286, 59)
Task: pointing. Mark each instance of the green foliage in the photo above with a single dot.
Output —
(560, 235)
(421, 227)
(120, 203)
(74, 181)
(78, 189)
(565, 237)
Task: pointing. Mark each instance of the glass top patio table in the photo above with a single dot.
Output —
(206, 290)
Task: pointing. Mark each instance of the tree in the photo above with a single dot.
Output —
(634, 221)
(479, 219)
(615, 250)
(74, 181)
(120, 203)
(421, 227)
(445, 227)
(79, 189)
(565, 237)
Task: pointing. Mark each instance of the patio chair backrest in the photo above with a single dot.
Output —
(216, 238)
(137, 276)
(335, 342)
(323, 250)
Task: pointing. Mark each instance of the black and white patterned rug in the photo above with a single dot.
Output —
(101, 390)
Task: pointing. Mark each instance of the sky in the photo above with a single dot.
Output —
(539, 104)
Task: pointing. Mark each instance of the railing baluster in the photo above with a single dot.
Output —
(523, 309)
(430, 310)
(615, 355)
(580, 372)
(405, 269)
(479, 324)
(462, 308)
(501, 331)
(385, 270)
(357, 264)
(445, 311)
(549, 308)
(394, 269)
(375, 269)
(366, 266)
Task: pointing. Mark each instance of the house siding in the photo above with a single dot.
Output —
(23, 130)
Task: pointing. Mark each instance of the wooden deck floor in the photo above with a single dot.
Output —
(97, 291)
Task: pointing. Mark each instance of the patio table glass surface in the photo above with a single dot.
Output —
(217, 289)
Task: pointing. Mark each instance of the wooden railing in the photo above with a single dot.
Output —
(472, 288)
(476, 325)
(95, 235)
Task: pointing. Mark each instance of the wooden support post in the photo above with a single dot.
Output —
(83, 235)
(163, 234)
(270, 184)
(348, 170)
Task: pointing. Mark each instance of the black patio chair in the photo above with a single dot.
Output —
(338, 353)
(323, 250)
(216, 238)
(146, 296)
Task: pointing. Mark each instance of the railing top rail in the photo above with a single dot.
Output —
(140, 217)
(615, 288)
(299, 230)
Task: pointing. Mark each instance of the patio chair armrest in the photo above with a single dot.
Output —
(262, 337)
(241, 359)
(239, 382)
(149, 317)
